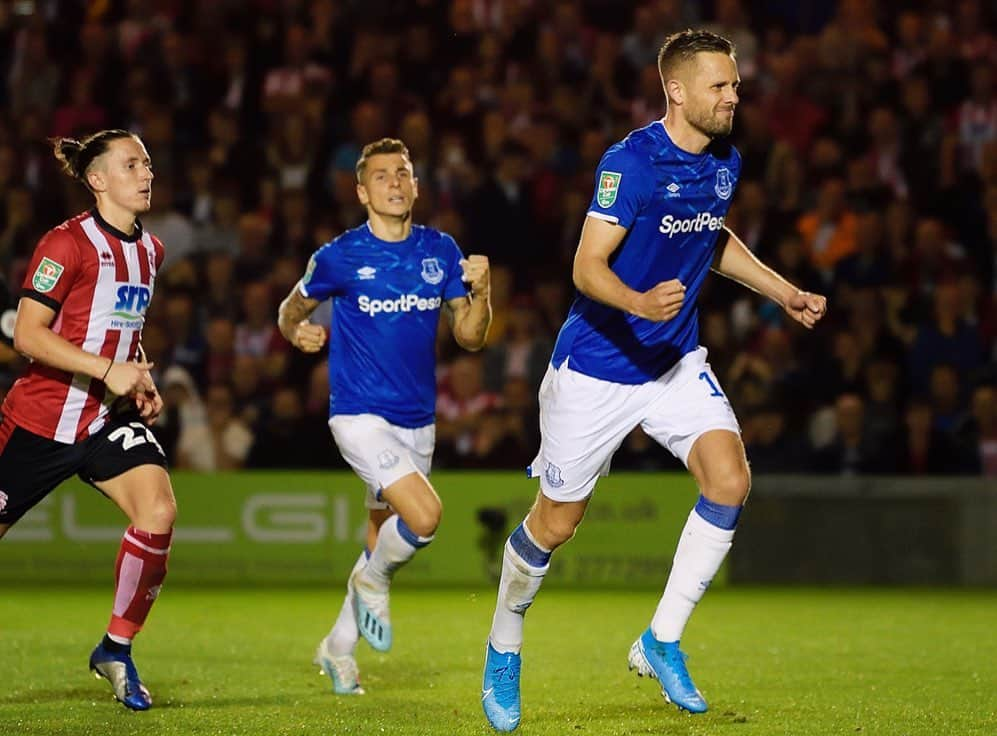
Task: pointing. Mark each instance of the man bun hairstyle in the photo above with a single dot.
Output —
(385, 145)
(77, 155)
(683, 46)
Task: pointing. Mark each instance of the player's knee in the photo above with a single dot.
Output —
(424, 526)
(426, 519)
(158, 516)
(555, 531)
(730, 488)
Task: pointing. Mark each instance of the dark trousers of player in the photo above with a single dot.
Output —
(31, 466)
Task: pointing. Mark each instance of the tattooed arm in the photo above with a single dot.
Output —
(292, 319)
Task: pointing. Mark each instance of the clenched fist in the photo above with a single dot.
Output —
(661, 302)
(475, 270)
(309, 338)
(806, 308)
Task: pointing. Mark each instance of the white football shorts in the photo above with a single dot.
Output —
(381, 452)
(584, 420)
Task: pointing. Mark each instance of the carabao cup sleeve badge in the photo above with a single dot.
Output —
(609, 185)
(47, 275)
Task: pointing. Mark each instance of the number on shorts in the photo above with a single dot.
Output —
(704, 376)
(133, 435)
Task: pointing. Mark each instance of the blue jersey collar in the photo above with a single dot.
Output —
(392, 243)
(659, 130)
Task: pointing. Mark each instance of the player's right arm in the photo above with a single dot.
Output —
(323, 279)
(34, 338)
(622, 190)
(51, 274)
(595, 279)
(292, 319)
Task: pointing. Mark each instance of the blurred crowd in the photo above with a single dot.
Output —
(868, 132)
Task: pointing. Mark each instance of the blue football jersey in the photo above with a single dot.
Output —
(673, 204)
(386, 310)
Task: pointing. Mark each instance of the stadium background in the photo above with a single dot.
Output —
(869, 137)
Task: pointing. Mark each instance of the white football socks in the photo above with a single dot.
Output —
(344, 635)
(700, 552)
(517, 589)
(396, 545)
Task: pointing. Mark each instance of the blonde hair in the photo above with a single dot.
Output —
(385, 145)
(683, 46)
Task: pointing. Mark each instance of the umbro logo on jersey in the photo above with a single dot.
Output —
(673, 189)
(366, 273)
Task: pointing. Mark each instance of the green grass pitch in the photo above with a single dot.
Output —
(769, 661)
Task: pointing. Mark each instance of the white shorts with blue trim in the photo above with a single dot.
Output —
(380, 452)
(584, 420)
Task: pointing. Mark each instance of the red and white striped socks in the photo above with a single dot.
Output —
(138, 575)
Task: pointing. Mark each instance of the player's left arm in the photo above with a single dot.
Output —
(470, 316)
(734, 260)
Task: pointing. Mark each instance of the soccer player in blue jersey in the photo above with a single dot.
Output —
(629, 354)
(388, 280)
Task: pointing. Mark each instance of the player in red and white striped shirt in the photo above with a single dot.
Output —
(84, 403)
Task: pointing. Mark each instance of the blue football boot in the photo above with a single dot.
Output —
(666, 662)
(370, 608)
(341, 669)
(500, 689)
(119, 669)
